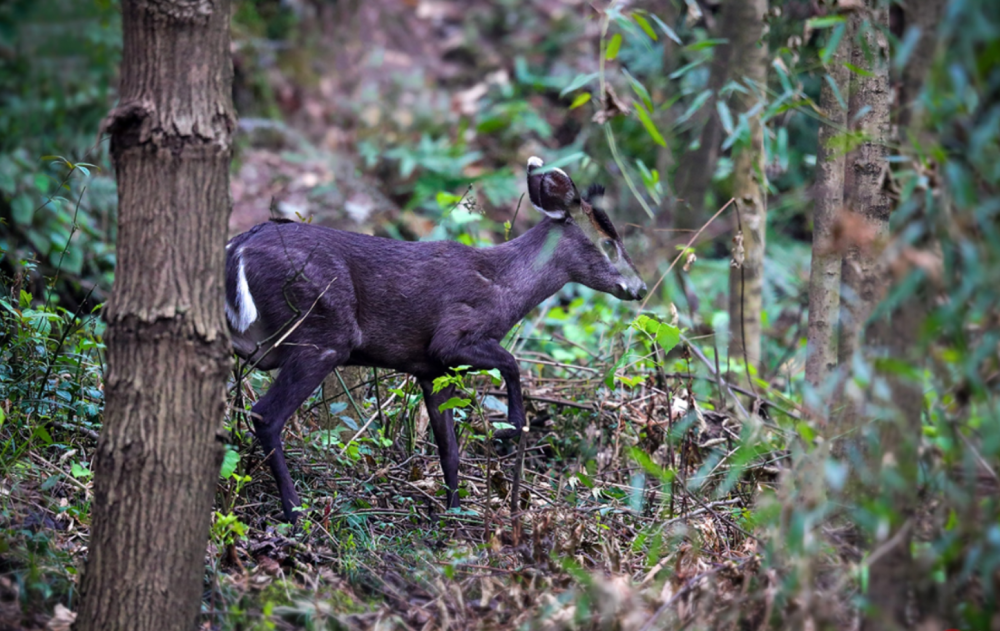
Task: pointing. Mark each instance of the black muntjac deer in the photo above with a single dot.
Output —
(307, 299)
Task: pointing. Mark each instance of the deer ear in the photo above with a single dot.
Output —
(552, 192)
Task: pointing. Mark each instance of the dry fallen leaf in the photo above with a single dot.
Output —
(62, 619)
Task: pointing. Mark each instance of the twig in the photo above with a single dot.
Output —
(743, 324)
(367, 423)
(677, 258)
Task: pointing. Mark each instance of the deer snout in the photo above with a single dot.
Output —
(631, 290)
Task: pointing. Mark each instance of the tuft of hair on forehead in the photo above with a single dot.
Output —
(593, 193)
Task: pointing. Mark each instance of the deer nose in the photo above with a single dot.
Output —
(641, 292)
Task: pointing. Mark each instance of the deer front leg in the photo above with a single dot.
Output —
(486, 355)
(297, 379)
(443, 425)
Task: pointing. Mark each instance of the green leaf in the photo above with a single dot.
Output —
(453, 403)
(80, 471)
(631, 382)
(644, 25)
(639, 89)
(643, 460)
(683, 70)
(666, 335)
(666, 29)
(609, 378)
(494, 374)
(905, 48)
(827, 51)
(647, 122)
(725, 117)
(705, 44)
(578, 82)
(613, 46)
(229, 462)
(825, 22)
(857, 70)
(580, 99)
(695, 106)
(805, 431)
(836, 91)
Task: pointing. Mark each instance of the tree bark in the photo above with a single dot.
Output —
(863, 281)
(168, 351)
(824, 276)
(744, 24)
(893, 577)
(694, 175)
(924, 15)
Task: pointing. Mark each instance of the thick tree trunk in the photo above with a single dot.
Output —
(745, 28)
(168, 350)
(824, 276)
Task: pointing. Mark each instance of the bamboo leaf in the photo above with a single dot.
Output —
(857, 70)
(578, 82)
(639, 89)
(613, 46)
(695, 106)
(836, 91)
(827, 51)
(644, 25)
(826, 21)
(669, 32)
(580, 99)
(725, 116)
(651, 129)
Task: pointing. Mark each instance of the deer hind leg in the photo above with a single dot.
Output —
(443, 424)
(299, 377)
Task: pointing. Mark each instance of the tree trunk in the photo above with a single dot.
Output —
(893, 577)
(744, 25)
(863, 281)
(694, 175)
(824, 276)
(924, 15)
(168, 351)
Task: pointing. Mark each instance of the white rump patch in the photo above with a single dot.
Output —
(534, 161)
(245, 312)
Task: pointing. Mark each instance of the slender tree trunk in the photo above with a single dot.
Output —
(160, 449)
(893, 577)
(694, 175)
(744, 24)
(863, 280)
(824, 276)
(924, 15)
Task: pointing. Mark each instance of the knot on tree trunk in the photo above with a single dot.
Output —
(129, 124)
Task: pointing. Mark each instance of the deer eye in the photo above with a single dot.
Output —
(609, 248)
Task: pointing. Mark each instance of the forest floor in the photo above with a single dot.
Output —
(595, 538)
